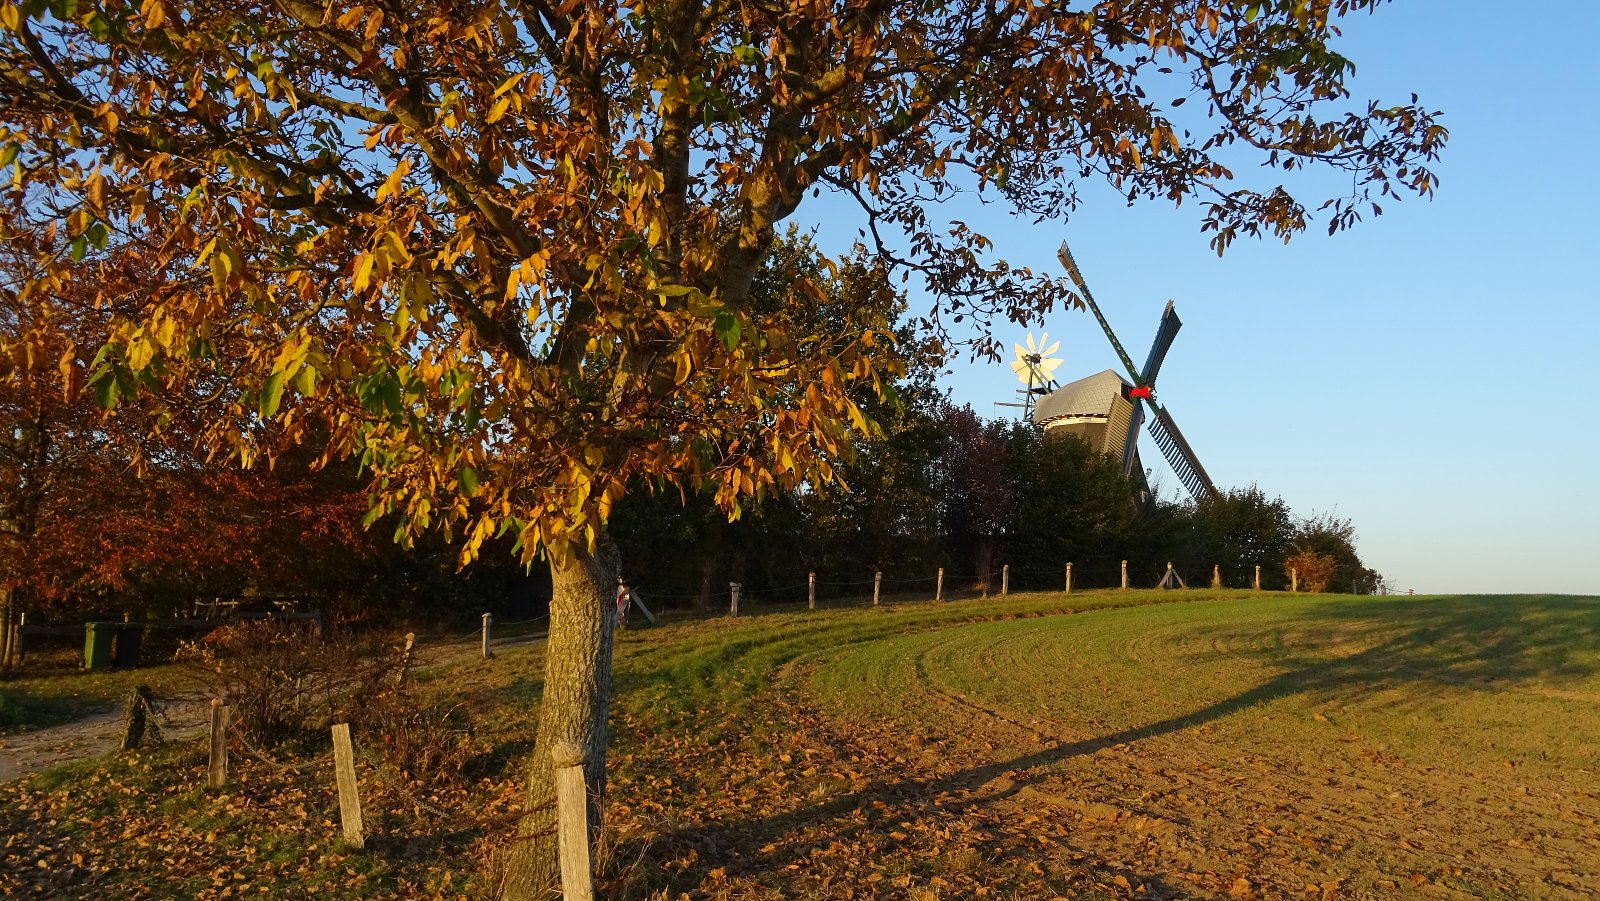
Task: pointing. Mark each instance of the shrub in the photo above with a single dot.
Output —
(421, 741)
(1316, 570)
(283, 683)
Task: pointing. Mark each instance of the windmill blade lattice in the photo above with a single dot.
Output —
(1179, 454)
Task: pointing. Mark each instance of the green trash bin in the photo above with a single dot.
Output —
(97, 644)
(130, 637)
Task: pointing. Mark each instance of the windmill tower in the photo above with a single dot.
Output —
(1107, 409)
(1035, 366)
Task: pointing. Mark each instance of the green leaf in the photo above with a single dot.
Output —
(271, 394)
(469, 481)
(305, 381)
(391, 396)
(79, 247)
(99, 26)
(98, 235)
(9, 152)
(105, 391)
(727, 329)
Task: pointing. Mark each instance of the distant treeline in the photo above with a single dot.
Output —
(948, 489)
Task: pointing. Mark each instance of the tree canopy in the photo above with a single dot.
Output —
(502, 252)
(454, 229)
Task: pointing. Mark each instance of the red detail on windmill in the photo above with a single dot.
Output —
(1142, 391)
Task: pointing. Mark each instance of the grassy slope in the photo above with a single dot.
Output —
(37, 701)
(728, 781)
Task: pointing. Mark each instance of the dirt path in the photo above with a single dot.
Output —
(184, 717)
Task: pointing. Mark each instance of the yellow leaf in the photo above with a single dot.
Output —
(363, 272)
(508, 84)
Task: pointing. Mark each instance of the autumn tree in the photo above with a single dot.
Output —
(977, 495)
(100, 513)
(503, 249)
(1325, 544)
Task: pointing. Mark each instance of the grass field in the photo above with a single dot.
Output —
(61, 694)
(1252, 746)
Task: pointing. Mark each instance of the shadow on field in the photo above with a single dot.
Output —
(1487, 642)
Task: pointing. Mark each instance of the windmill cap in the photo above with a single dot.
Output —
(1089, 396)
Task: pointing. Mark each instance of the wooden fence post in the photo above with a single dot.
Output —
(1069, 578)
(407, 656)
(17, 642)
(6, 634)
(572, 813)
(217, 775)
(733, 598)
(811, 591)
(1216, 575)
(488, 635)
(1294, 579)
(1258, 577)
(938, 585)
(1124, 575)
(344, 773)
(877, 583)
(1005, 580)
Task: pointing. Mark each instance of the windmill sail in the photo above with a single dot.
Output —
(1065, 256)
(1130, 444)
(1179, 454)
(1161, 426)
(1168, 330)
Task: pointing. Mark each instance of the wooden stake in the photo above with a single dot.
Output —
(407, 656)
(572, 812)
(1216, 576)
(811, 590)
(344, 772)
(488, 635)
(217, 775)
(1258, 577)
(1005, 580)
(16, 642)
(877, 583)
(1294, 579)
(938, 585)
(1124, 575)
(733, 598)
(1069, 578)
(7, 634)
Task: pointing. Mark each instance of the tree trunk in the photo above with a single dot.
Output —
(576, 701)
(702, 601)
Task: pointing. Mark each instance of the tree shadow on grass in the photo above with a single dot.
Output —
(1423, 645)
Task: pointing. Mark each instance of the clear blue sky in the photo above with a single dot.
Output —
(1428, 374)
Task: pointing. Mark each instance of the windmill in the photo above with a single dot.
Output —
(1035, 366)
(1142, 394)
